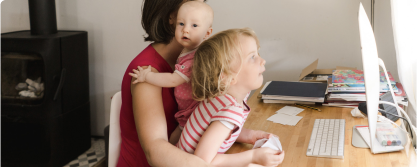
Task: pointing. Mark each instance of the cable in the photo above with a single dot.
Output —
(381, 110)
(398, 117)
(398, 108)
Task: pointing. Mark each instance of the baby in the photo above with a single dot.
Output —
(193, 26)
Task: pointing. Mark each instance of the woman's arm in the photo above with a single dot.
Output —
(151, 126)
(213, 138)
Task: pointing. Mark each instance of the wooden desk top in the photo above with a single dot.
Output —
(295, 139)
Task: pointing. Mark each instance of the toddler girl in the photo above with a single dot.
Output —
(226, 67)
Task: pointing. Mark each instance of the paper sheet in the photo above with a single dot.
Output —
(287, 116)
(285, 119)
(289, 110)
(321, 77)
(272, 143)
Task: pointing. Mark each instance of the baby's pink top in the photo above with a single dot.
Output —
(183, 92)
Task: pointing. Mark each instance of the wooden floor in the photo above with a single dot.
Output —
(101, 163)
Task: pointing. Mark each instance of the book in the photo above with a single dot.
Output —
(344, 106)
(347, 77)
(400, 91)
(355, 89)
(286, 101)
(341, 101)
(358, 88)
(353, 77)
(355, 98)
(296, 91)
(353, 81)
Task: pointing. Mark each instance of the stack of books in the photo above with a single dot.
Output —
(347, 88)
(293, 92)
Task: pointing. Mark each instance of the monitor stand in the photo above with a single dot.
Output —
(357, 140)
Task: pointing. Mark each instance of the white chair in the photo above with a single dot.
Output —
(114, 134)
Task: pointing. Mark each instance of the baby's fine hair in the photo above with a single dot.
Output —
(212, 71)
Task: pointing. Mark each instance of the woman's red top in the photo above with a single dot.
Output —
(131, 153)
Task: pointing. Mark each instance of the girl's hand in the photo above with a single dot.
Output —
(140, 75)
(251, 136)
(267, 157)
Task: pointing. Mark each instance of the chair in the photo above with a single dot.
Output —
(114, 134)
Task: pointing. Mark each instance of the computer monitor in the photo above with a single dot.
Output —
(403, 16)
(371, 64)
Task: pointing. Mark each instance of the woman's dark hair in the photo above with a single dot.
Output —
(155, 19)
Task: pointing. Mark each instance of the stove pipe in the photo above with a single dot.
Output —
(42, 16)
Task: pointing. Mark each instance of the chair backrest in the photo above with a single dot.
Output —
(114, 134)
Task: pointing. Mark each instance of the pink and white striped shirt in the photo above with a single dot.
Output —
(221, 108)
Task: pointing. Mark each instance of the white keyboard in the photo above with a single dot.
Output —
(327, 138)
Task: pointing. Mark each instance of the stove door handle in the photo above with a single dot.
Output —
(61, 83)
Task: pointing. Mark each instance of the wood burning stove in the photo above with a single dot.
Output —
(45, 107)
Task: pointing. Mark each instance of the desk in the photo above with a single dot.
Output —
(295, 139)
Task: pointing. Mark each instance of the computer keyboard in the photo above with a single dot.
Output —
(327, 138)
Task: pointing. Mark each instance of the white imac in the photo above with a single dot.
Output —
(371, 64)
(404, 26)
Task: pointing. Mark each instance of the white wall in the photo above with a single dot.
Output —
(292, 33)
(384, 36)
(295, 33)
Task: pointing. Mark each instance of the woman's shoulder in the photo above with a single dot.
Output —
(147, 57)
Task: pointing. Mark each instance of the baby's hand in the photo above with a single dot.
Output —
(140, 75)
(267, 157)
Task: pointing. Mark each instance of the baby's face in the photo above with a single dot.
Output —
(193, 26)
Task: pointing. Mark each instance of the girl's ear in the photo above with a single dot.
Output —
(209, 31)
(233, 81)
(224, 79)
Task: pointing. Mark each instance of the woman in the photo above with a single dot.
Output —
(147, 112)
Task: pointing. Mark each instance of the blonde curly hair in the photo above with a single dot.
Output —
(212, 69)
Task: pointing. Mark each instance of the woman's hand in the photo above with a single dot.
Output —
(140, 75)
(251, 136)
(267, 157)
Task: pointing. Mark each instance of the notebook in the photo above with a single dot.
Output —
(297, 91)
(286, 101)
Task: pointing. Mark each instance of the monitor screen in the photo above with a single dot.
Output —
(371, 70)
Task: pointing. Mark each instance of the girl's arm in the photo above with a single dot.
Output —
(166, 80)
(151, 126)
(251, 136)
(213, 138)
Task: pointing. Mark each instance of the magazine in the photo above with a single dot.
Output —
(353, 77)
